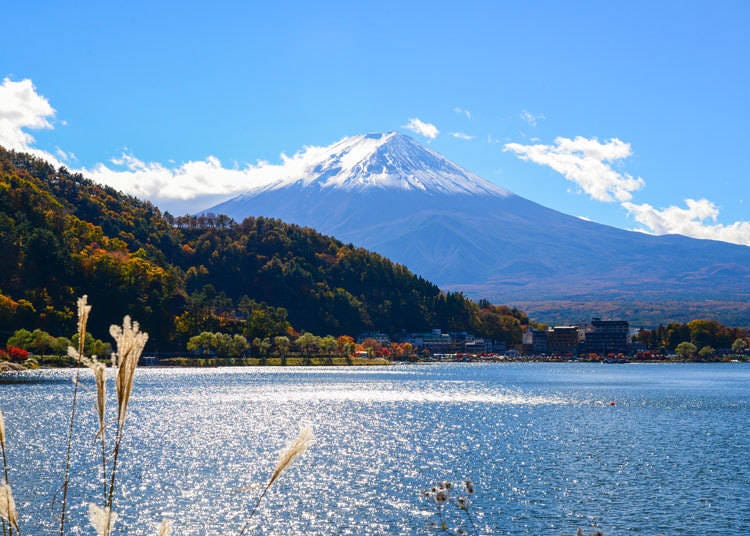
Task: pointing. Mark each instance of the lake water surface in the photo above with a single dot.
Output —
(546, 449)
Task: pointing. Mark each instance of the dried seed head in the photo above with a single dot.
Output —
(8, 506)
(297, 447)
(165, 529)
(130, 344)
(100, 376)
(102, 519)
(83, 317)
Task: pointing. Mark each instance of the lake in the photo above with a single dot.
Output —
(634, 448)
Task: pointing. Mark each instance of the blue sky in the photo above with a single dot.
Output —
(642, 105)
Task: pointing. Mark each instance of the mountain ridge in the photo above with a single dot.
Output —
(505, 247)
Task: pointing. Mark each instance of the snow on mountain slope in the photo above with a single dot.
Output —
(389, 194)
(387, 161)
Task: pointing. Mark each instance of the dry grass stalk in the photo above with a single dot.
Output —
(130, 344)
(8, 507)
(165, 529)
(2, 429)
(5, 465)
(100, 377)
(291, 453)
(102, 519)
(83, 316)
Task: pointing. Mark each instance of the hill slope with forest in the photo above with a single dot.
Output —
(63, 235)
(389, 194)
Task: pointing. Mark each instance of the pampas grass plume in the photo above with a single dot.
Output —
(102, 519)
(165, 529)
(130, 344)
(8, 506)
(83, 317)
(292, 452)
(100, 377)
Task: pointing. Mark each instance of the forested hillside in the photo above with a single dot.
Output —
(63, 235)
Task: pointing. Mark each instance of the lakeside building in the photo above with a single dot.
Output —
(564, 339)
(535, 341)
(437, 342)
(474, 345)
(607, 337)
(380, 338)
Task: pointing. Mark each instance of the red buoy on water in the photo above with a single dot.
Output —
(612, 403)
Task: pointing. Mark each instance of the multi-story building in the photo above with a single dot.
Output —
(563, 339)
(535, 341)
(607, 336)
(436, 342)
(380, 338)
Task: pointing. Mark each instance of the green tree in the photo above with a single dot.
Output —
(686, 350)
(328, 345)
(675, 334)
(92, 346)
(282, 344)
(706, 352)
(263, 345)
(739, 346)
(60, 346)
(240, 345)
(307, 343)
(201, 344)
(22, 338)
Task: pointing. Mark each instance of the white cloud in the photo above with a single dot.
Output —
(67, 157)
(193, 179)
(461, 111)
(531, 119)
(698, 220)
(21, 108)
(586, 162)
(428, 130)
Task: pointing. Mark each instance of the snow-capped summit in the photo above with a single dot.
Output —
(380, 161)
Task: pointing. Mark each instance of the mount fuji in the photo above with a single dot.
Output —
(388, 193)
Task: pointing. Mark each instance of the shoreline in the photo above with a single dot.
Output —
(337, 362)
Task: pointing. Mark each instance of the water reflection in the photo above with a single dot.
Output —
(547, 451)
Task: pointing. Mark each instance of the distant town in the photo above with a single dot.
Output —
(600, 340)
